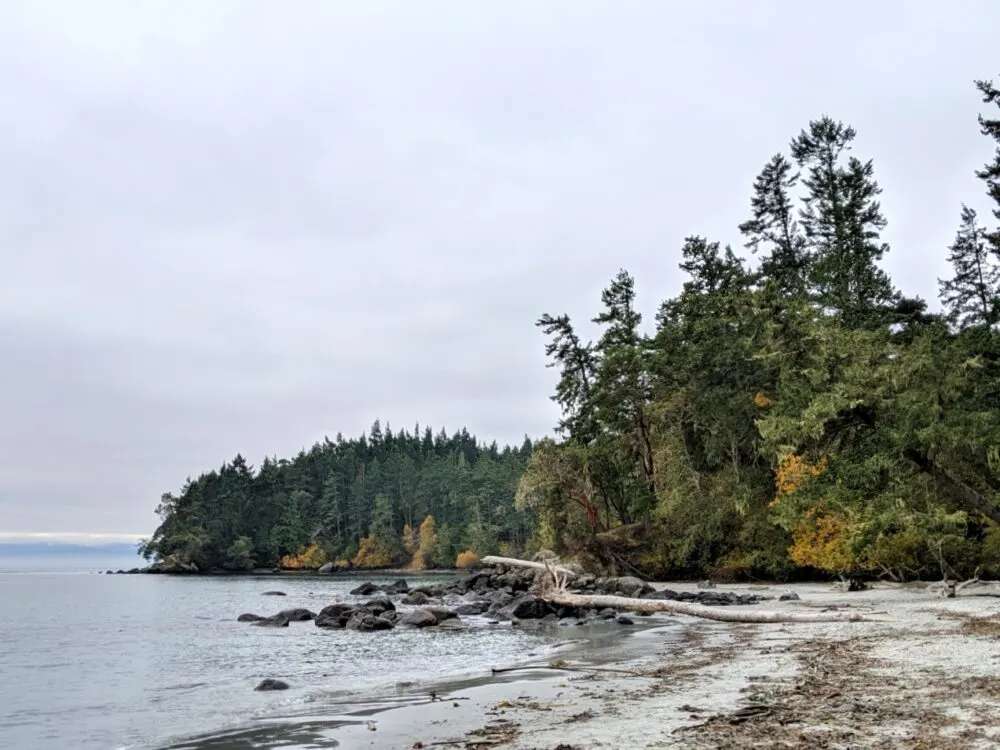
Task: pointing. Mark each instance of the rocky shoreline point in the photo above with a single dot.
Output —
(498, 593)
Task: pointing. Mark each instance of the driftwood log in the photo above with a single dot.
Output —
(556, 593)
(513, 562)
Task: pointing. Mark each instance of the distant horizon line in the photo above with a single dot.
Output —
(70, 537)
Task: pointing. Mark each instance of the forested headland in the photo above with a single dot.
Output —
(381, 500)
(789, 412)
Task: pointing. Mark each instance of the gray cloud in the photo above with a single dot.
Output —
(238, 227)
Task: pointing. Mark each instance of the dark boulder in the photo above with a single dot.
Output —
(418, 618)
(791, 596)
(416, 598)
(274, 621)
(529, 607)
(629, 586)
(366, 622)
(299, 614)
(379, 605)
(365, 589)
(623, 620)
(274, 593)
(270, 684)
(472, 608)
(399, 586)
(250, 617)
(334, 615)
(441, 613)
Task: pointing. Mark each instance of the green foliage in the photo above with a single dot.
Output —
(239, 556)
(801, 413)
(332, 496)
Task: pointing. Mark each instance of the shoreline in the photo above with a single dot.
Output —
(921, 673)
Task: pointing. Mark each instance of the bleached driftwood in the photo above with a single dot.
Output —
(743, 614)
(948, 589)
(557, 594)
(515, 563)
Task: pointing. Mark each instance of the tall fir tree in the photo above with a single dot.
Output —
(622, 388)
(578, 368)
(773, 230)
(990, 173)
(971, 297)
(843, 222)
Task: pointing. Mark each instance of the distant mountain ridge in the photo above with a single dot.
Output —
(62, 549)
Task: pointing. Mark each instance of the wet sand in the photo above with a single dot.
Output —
(922, 674)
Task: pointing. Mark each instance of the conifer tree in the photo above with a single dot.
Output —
(578, 366)
(773, 230)
(843, 222)
(970, 297)
(990, 173)
(622, 386)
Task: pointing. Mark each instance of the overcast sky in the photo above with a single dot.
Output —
(238, 227)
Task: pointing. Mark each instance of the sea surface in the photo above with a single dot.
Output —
(149, 662)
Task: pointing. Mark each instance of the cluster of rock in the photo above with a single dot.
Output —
(497, 594)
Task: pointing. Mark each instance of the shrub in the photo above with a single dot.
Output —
(467, 559)
(311, 558)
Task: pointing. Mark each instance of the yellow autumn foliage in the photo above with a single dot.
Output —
(426, 546)
(372, 553)
(761, 400)
(794, 471)
(822, 540)
(409, 540)
(466, 559)
(310, 558)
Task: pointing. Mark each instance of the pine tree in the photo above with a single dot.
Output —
(990, 174)
(972, 296)
(622, 389)
(578, 370)
(772, 229)
(843, 222)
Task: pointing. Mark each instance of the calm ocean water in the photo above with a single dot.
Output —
(151, 662)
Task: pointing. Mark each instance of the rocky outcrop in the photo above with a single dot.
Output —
(172, 564)
(502, 592)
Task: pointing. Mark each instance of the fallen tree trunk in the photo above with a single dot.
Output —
(696, 610)
(557, 594)
(515, 563)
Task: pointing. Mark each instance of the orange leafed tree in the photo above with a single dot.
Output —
(426, 546)
(466, 559)
(793, 472)
(373, 553)
(310, 558)
(822, 540)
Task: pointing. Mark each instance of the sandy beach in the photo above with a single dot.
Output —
(924, 672)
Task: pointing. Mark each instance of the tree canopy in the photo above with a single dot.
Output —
(787, 413)
(353, 501)
(797, 413)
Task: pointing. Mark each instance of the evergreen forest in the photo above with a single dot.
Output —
(789, 413)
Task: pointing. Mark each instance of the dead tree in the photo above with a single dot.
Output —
(554, 591)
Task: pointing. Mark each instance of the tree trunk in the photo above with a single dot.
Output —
(557, 595)
(721, 614)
